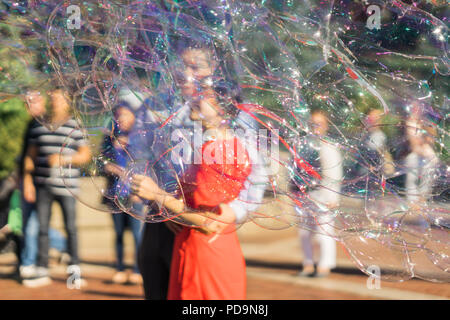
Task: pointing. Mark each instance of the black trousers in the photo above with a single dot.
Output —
(44, 200)
(4, 211)
(155, 256)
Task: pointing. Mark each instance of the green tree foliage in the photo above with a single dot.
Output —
(15, 76)
(13, 123)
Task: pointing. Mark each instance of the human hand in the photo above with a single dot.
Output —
(114, 169)
(145, 187)
(54, 160)
(120, 142)
(222, 221)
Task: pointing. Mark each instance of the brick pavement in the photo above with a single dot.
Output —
(273, 259)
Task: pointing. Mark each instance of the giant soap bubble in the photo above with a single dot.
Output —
(341, 107)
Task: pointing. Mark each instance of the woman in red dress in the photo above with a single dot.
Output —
(205, 265)
(210, 267)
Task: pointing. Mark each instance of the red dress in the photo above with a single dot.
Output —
(211, 271)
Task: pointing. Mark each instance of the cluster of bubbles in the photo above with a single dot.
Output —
(378, 75)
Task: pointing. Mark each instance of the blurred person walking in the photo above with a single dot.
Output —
(30, 222)
(422, 162)
(114, 148)
(376, 156)
(326, 196)
(52, 174)
(376, 143)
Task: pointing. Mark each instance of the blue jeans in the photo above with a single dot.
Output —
(121, 221)
(29, 251)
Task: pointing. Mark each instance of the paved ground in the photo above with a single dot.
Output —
(263, 283)
(273, 260)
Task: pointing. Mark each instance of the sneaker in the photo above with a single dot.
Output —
(27, 271)
(119, 277)
(37, 281)
(135, 278)
(42, 272)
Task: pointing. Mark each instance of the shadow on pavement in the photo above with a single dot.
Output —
(108, 264)
(296, 267)
(114, 294)
(11, 276)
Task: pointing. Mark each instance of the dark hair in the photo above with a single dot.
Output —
(122, 105)
(224, 82)
(182, 44)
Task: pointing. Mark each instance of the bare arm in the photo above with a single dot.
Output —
(29, 190)
(113, 169)
(80, 158)
(146, 188)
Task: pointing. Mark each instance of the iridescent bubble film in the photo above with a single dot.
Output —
(340, 111)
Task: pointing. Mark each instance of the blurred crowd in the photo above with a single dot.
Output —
(44, 176)
(50, 168)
